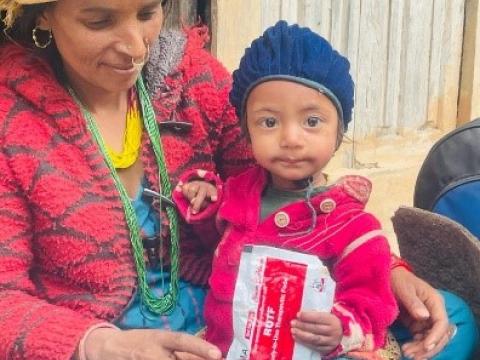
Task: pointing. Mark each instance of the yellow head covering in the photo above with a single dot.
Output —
(13, 8)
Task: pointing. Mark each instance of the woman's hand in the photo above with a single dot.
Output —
(320, 331)
(422, 311)
(114, 344)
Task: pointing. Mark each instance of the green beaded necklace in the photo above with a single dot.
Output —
(167, 302)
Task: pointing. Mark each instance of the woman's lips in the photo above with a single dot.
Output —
(124, 69)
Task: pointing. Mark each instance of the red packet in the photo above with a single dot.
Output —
(273, 285)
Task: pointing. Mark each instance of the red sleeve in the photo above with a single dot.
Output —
(232, 150)
(203, 223)
(364, 301)
(182, 203)
(30, 327)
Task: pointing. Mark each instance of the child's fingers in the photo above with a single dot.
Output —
(197, 202)
(190, 190)
(197, 192)
(322, 344)
(313, 328)
(185, 190)
(212, 193)
(317, 317)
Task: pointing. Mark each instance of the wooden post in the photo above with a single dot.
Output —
(395, 66)
(235, 23)
(271, 11)
(288, 12)
(182, 12)
(339, 33)
(417, 44)
(445, 59)
(372, 68)
(469, 99)
(317, 15)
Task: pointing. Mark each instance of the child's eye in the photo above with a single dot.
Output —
(313, 121)
(269, 122)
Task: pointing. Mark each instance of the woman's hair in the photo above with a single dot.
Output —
(167, 7)
(21, 31)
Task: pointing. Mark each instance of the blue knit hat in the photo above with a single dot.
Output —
(295, 54)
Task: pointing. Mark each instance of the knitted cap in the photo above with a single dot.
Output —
(294, 53)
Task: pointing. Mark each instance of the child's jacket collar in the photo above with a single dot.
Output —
(247, 188)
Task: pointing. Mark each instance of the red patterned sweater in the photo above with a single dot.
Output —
(65, 254)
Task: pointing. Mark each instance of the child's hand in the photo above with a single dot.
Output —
(320, 331)
(198, 192)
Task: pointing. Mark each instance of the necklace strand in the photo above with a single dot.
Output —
(166, 303)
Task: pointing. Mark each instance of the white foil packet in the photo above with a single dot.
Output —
(273, 285)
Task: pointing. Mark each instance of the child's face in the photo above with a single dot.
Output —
(293, 130)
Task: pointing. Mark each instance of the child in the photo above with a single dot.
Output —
(294, 96)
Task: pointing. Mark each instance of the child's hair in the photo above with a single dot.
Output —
(295, 54)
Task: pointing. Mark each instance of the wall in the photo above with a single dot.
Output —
(405, 57)
(235, 23)
(405, 54)
(469, 101)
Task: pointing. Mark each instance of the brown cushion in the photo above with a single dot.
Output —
(441, 251)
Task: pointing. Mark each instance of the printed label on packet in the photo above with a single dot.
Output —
(273, 285)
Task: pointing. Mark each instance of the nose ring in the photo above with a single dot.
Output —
(143, 61)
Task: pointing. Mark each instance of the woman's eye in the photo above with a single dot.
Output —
(269, 122)
(313, 121)
(147, 15)
(98, 24)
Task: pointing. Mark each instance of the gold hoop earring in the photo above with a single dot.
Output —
(37, 42)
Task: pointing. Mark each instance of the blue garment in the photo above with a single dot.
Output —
(188, 314)
(465, 341)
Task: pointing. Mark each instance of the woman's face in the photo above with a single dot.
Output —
(97, 39)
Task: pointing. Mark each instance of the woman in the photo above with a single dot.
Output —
(85, 87)
(74, 212)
